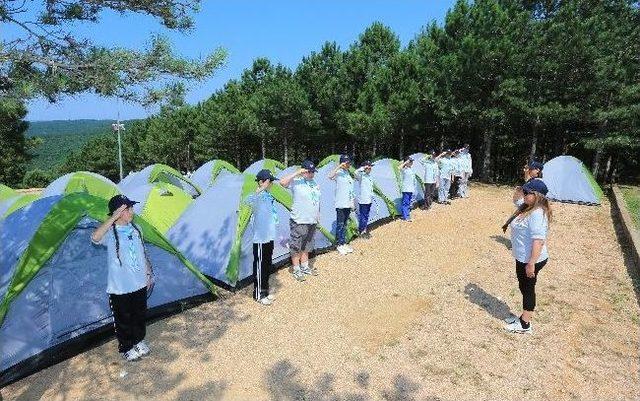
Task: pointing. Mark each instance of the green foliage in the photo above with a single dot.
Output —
(514, 79)
(48, 60)
(631, 196)
(37, 178)
(14, 146)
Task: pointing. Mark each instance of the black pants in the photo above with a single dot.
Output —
(129, 317)
(453, 190)
(528, 285)
(342, 219)
(429, 194)
(262, 267)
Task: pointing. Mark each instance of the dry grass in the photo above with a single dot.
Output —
(414, 314)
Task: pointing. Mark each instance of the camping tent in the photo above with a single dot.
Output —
(12, 200)
(207, 174)
(159, 173)
(287, 171)
(215, 231)
(269, 164)
(161, 203)
(387, 177)
(82, 181)
(53, 280)
(7, 192)
(14, 203)
(382, 206)
(569, 180)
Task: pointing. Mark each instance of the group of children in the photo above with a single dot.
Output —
(130, 275)
(440, 171)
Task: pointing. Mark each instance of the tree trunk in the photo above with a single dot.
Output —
(607, 170)
(595, 169)
(534, 138)
(263, 147)
(599, 151)
(401, 145)
(286, 151)
(487, 140)
(374, 148)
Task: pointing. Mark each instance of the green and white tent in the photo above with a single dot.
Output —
(12, 200)
(82, 181)
(273, 165)
(569, 180)
(159, 173)
(215, 233)
(206, 175)
(53, 280)
(161, 204)
(7, 192)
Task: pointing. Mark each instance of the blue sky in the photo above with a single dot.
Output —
(283, 31)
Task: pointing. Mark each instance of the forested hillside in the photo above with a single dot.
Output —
(59, 138)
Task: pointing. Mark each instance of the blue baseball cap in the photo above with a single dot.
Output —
(119, 200)
(367, 163)
(309, 166)
(265, 174)
(535, 185)
(345, 159)
(534, 165)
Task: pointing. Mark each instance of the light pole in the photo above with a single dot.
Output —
(117, 127)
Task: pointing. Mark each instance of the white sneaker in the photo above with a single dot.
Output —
(298, 275)
(265, 301)
(342, 250)
(142, 348)
(511, 319)
(348, 248)
(271, 297)
(131, 355)
(516, 327)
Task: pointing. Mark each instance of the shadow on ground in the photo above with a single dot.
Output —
(285, 383)
(494, 306)
(625, 247)
(502, 240)
(110, 374)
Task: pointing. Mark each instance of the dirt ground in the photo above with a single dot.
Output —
(414, 314)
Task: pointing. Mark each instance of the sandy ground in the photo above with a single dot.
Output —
(414, 314)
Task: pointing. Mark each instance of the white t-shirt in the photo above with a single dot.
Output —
(344, 190)
(306, 201)
(524, 231)
(366, 187)
(128, 273)
(430, 171)
(408, 180)
(264, 217)
(468, 164)
(445, 166)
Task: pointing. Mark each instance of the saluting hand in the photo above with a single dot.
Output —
(116, 215)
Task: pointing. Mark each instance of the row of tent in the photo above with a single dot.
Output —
(197, 230)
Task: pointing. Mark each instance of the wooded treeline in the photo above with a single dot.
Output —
(515, 79)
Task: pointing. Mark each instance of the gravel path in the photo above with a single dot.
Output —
(414, 314)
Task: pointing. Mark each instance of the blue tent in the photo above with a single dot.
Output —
(569, 180)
